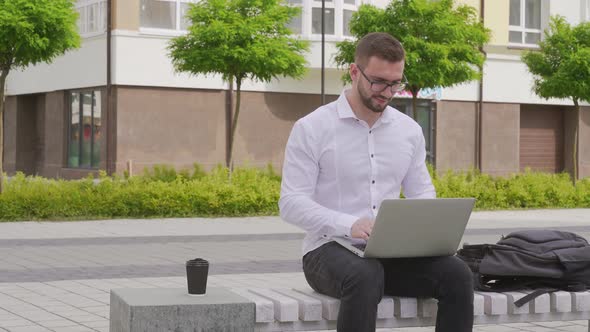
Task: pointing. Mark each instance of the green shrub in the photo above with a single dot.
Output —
(161, 192)
(524, 190)
(165, 192)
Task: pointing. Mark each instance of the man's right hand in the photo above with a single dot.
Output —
(362, 228)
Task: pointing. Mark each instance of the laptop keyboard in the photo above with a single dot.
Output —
(360, 246)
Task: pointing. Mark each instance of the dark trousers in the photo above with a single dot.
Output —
(360, 283)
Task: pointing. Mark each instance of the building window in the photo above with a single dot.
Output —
(84, 130)
(168, 17)
(337, 17)
(346, 17)
(296, 24)
(525, 22)
(425, 118)
(165, 14)
(329, 16)
(92, 17)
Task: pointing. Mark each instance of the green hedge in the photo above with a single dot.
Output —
(164, 192)
(525, 190)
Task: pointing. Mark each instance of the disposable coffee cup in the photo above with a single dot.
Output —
(196, 276)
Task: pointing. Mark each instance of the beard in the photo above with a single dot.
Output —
(367, 100)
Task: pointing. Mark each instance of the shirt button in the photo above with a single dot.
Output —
(370, 131)
(373, 181)
(371, 155)
(374, 207)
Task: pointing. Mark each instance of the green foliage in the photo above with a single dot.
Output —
(167, 173)
(561, 67)
(240, 39)
(442, 39)
(165, 192)
(160, 193)
(524, 190)
(33, 31)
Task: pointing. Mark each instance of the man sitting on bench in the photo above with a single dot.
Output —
(341, 162)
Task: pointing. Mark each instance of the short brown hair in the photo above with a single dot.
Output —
(381, 45)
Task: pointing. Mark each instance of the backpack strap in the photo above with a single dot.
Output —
(534, 295)
(574, 287)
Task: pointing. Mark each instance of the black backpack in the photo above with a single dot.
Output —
(542, 260)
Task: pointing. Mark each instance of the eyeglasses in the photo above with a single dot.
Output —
(378, 86)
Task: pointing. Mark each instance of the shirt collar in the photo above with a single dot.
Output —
(345, 111)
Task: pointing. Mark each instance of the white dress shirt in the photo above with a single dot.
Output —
(338, 170)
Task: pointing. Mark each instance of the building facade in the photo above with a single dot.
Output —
(117, 105)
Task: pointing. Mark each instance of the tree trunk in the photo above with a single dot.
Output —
(576, 129)
(229, 106)
(3, 75)
(234, 123)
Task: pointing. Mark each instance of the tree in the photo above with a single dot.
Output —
(442, 40)
(561, 68)
(239, 39)
(32, 31)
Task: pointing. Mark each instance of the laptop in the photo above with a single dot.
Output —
(415, 228)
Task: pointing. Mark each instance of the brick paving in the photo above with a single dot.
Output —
(56, 276)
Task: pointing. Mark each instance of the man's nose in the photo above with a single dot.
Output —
(388, 92)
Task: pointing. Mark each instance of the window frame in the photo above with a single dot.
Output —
(424, 105)
(94, 109)
(522, 27)
(176, 31)
(300, 5)
(83, 7)
(306, 20)
(339, 6)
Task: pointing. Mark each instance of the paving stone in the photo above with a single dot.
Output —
(536, 328)
(572, 328)
(58, 323)
(15, 323)
(553, 324)
(496, 328)
(78, 328)
(31, 328)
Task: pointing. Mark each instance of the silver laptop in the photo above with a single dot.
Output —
(415, 228)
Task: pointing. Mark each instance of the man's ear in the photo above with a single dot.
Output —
(353, 71)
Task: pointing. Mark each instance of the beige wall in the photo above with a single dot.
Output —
(472, 3)
(179, 127)
(584, 169)
(28, 140)
(52, 133)
(455, 135)
(126, 15)
(500, 138)
(265, 122)
(496, 19)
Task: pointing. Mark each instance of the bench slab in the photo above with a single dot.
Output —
(283, 309)
(172, 309)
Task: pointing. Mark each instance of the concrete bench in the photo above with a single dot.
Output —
(282, 309)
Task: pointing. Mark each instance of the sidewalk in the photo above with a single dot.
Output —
(56, 276)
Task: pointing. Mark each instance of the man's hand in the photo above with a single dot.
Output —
(362, 228)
